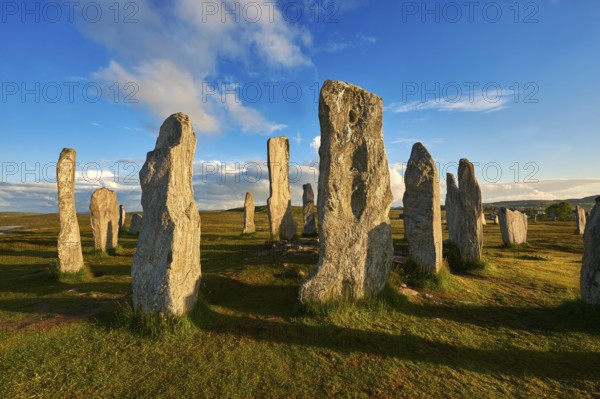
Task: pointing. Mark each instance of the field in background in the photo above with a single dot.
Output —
(515, 330)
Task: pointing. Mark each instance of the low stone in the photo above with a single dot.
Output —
(590, 270)
(104, 216)
(136, 223)
(513, 226)
(580, 219)
(122, 217)
(249, 214)
(308, 210)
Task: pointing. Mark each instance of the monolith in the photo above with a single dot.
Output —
(590, 270)
(470, 229)
(135, 225)
(580, 219)
(122, 217)
(279, 204)
(104, 216)
(70, 257)
(513, 226)
(422, 212)
(249, 214)
(166, 266)
(452, 209)
(354, 198)
(308, 210)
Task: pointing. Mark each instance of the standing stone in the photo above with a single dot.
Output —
(308, 211)
(422, 213)
(70, 257)
(104, 215)
(580, 219)
(166, 266)
(452, 210)
(356, 249)
(495, 219)
(281, 219)
(136, 224)
(513, 226)
(249, 214)
(470, 229)
(483, 221)
(590, 270)
(122, 217)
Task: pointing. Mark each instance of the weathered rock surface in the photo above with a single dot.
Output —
(580, 219)
(281, 219)
(422, 213)
(355, 235)
(104, 216)
(452, 207)
(122, 217)
(590, 270)
(135, 226)
(483, 221)
(470, 229)
(513, 226)
(70, 257)
(308, 210)
(166, 266)
(249, 226)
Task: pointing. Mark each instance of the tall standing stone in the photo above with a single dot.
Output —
(308, 210)
(355, 234)
(166, 266)
(281, 219)
(470, 229)
(135, 225)
(590, 270)
(452, 210)
(513, 226)
(70, 257)
(422, 213)
(249, 214)
(122, 217)
(104, 216)
(580, 218)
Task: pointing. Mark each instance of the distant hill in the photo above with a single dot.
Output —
(586, 203)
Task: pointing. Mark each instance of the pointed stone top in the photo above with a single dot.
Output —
(419, 152)
(450, 179)
(175, 128)
(466, 170)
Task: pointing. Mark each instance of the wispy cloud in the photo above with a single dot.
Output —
(476, 105)
(340, 44)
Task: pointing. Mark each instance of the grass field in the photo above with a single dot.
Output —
(516, 329)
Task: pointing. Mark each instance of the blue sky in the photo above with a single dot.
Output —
(510, 85)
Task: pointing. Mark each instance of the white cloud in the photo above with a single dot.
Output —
(174, 48)
(467, 105)
(315, 144)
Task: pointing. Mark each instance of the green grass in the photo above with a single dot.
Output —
(517, 329)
